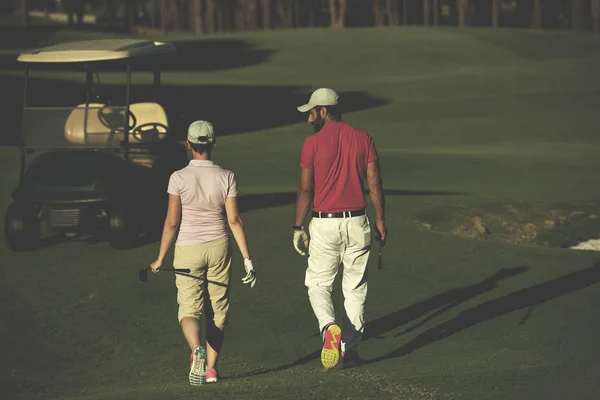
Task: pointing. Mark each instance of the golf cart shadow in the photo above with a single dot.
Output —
(233, 109)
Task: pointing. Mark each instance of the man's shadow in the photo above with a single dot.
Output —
(517, 300)
(436, 305)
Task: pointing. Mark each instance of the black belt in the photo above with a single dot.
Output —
(344, 214)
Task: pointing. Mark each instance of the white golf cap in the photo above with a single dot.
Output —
(320, 97)
(201, 132)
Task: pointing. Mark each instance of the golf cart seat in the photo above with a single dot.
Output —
(105, 122)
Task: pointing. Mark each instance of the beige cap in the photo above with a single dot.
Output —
(320, 97)
(201, 132)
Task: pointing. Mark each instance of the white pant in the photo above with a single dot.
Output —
(336, 241)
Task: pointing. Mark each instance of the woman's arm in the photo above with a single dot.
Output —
(237, 225)
(169, 230)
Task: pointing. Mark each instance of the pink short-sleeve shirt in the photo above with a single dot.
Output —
(203, 187)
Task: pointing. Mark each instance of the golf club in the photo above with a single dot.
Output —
(143, 274)
(381, 244)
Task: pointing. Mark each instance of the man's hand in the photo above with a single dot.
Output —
(301, 240)
(381, 231)
(250, 277)
(156, 266)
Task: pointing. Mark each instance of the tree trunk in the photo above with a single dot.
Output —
(463, 12)
(378, 12)
(289, 14)
(164, 10)
(25, 12)
(297, 19)
(426, 12)
(131, 11)
(495, 13)
(175, 15)
(436, 12)
(536, 18)
(391, 10)
(239, 15)
(333, 13)
(196, 16)
(596, 14)
(341, 22)
(577, 15)
(266, 14)
(250, 14)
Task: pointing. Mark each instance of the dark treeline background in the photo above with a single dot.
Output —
(213, 16)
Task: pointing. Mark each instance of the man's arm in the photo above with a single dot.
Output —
(304, 195)
(377, 198)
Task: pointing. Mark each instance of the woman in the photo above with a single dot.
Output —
(200, 196)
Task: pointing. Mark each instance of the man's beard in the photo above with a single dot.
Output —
(318, 124)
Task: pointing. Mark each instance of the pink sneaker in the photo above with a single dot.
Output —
(212, 375)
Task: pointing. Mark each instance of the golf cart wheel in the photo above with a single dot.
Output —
(123, 228)
(21, 228)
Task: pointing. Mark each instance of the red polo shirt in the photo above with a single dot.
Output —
(338, 155)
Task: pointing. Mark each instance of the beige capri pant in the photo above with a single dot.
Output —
(211, 262)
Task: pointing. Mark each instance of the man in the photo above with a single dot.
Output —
(334, 163)
(200, 195)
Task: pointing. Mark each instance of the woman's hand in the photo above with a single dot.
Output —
(156, 266)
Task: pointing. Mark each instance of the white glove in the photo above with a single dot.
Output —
(250, 273)
(301, 239)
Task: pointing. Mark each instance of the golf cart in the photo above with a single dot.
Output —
(104, 166)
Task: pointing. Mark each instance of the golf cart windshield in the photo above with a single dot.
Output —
(94, 125)
(95, 119)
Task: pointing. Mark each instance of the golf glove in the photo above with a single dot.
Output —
(250, 277)
(301, 239)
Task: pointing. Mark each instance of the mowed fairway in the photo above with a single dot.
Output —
(472, 117)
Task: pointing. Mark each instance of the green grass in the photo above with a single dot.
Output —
(474, 118)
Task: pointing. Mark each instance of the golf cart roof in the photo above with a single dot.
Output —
(96, 50)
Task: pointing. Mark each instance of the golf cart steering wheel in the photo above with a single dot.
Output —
(112, 118)
(150, 132)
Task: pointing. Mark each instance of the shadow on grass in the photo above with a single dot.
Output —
(152, 230)
(232, 109)
(434, 305)
(488, 310)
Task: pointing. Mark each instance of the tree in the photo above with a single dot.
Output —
(426, 12)
(391, 10)
(25, 11)
(463, 12)
(595, 5)
(285, 12)
(536, 18)
(495, 13)
(577, 22)
(337, 13)
(436, 12)
(196, 16)
(266, 14)
(378, 13)
(251, 14)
